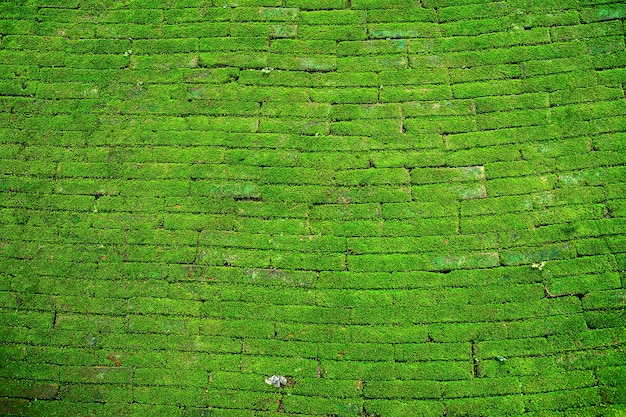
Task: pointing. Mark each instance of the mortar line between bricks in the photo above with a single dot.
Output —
(346, 254)
(258, 120)
(458, 218)
(125, 255)
(474, 359)
(54, 313)
(198, 238)
(127, 315)
(132, 385)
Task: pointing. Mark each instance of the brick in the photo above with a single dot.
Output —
(100, 374)
(434, 351)
(244, 14)
(345, 95)
(494, 223)
(471, 11)
(373, 64)
(30, 389)
(585, 31)
(441, 125)
(328, 388)
(612, 299)
(489, 406)
(227, 44)
(428, 93)
(479, 387)
(417, 75)
(607, 12)
(462, 174)
(410, 210)
(498, 187)
(473, 27)
(399, 14)
(291, 46)
(553, 82)
(303, 404)
(332, 32)
(196, 15)
(491, 40)
(448, 193)
(359, 111)
(371, 47)
(333, 17)
(164, 46)
(402, 407)
(564, 18)
(403, 389)
(314, 5)
(165, 395)
(385, 334)
(372, 4)
(493, 88)
(345, 212)
(402, 30)
(178, 377)
(493, 331)
(560, 400)
(485, 72)
(569, 380)
(588, 264)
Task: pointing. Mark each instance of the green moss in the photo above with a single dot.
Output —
(404, 210)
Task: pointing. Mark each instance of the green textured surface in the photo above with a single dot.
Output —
(407, 208)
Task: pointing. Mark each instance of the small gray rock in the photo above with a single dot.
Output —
(278, 381)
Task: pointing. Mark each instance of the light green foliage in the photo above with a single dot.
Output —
(399, 207)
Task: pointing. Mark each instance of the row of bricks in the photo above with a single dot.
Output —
(566, 27)
(557, 270)
(189, 317)
(347, 119)
(476, 387)
(601, 52)
(230, 231)
(213, 234)
(449, 5)
(207, 335)
(227, 403)
(135, 296)
(266, 250)
(311, 71)
(543, 107)
(561, 61)
(533, 36)
(308, 251)
(234, 173)
(34, 328)
(201, 148)
(413, 359)
(542, 186)
(330, 288)
(582, 198)
(356, 11)
(527, 355)
(212, 103)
